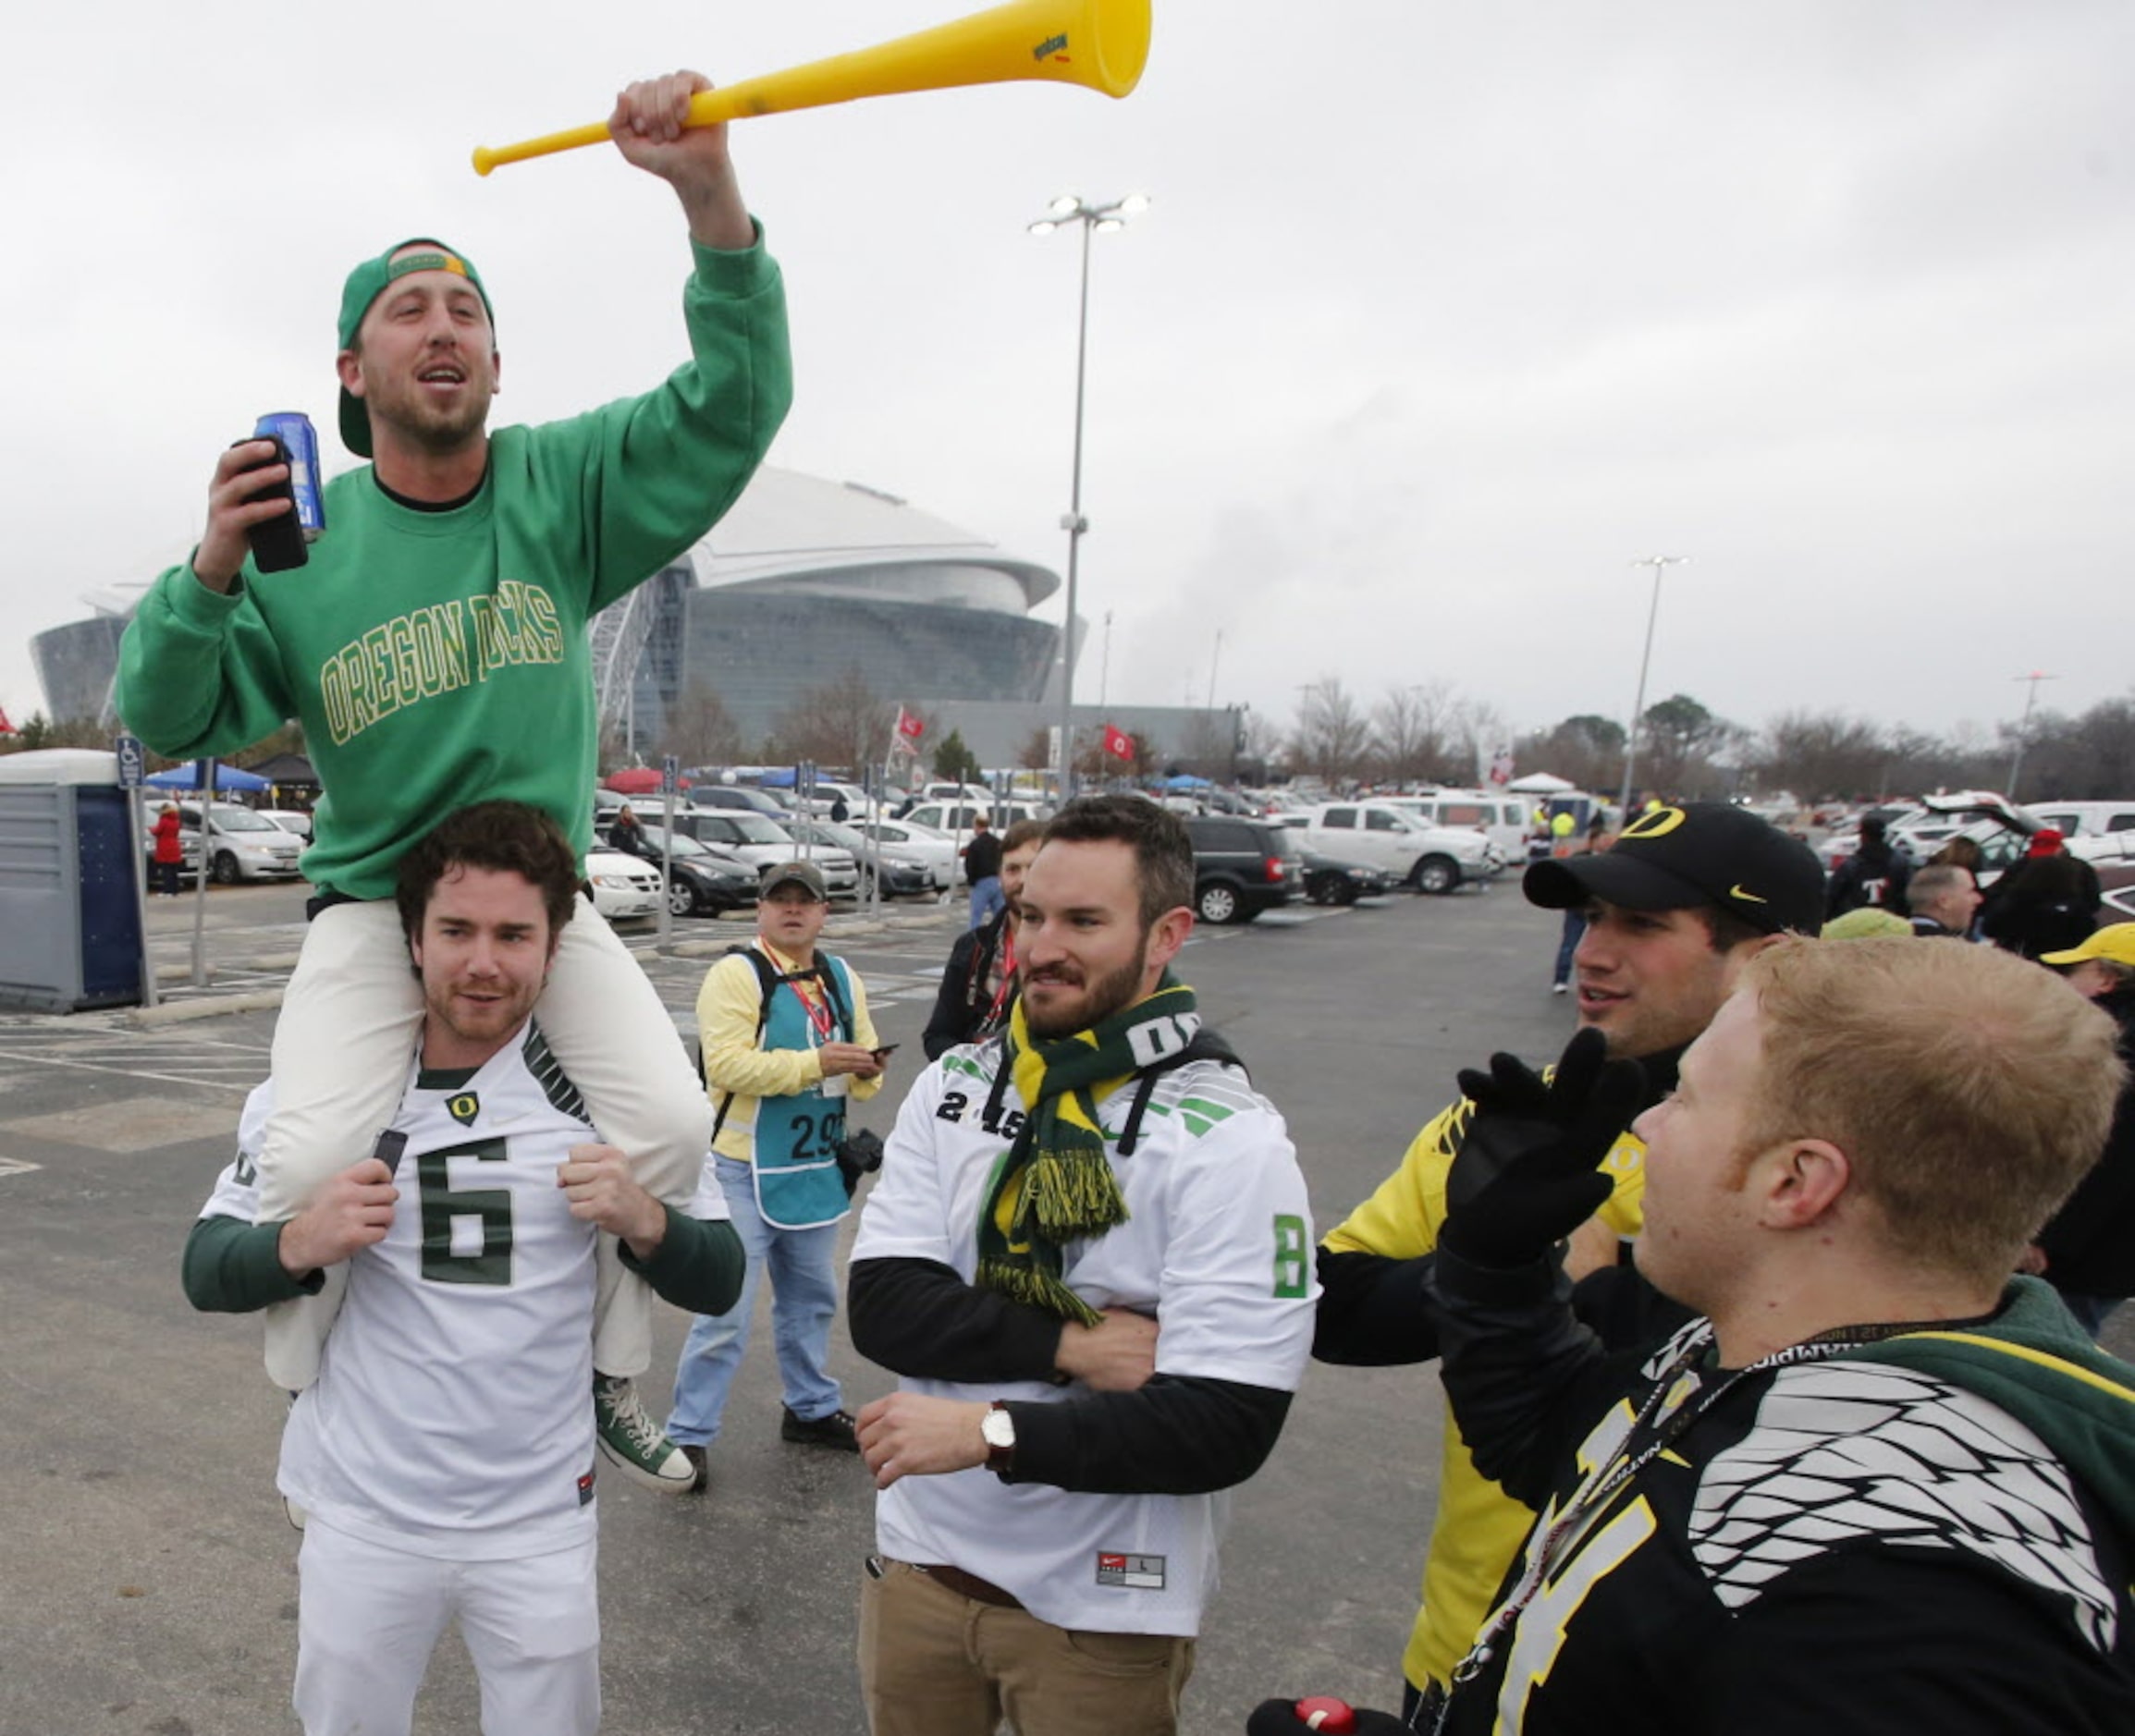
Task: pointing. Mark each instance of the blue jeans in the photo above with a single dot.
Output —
(986, 899)
(802, 1264)
(1574, 932)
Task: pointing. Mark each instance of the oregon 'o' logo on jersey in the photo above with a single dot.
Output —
(463, 1107)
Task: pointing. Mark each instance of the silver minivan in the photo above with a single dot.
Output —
(242, 845)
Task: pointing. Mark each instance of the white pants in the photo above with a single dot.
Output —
(349, 1026)
(368, 1619)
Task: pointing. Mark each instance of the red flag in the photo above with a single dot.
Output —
(909, 726)
(1118, 743)
(7, 729)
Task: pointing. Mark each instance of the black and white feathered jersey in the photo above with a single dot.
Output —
(1849, 1537)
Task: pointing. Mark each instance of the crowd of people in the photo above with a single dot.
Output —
(1765, 1314)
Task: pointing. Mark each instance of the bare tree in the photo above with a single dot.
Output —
(840, 724)
(1821, 755)
(1330, 735)
(1406, 728)
(1036, 755)
(700, 731)
(1259, 747)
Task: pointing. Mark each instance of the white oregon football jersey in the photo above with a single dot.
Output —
(1217, 1247)
(453, 1412)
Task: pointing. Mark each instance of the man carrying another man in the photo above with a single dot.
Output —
(434, 650)
(445, 1455)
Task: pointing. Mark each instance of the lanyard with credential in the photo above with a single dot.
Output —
(998, 1012)
(1670, 1410)
(821, 1018)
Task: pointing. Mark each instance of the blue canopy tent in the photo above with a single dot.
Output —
(1186, 780)
(187, 777)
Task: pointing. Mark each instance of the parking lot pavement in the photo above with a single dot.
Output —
(147, 1575)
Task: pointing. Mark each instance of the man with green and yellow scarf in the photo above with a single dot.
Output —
(1089, 1258)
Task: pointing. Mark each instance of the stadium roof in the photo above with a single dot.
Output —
(789, 525)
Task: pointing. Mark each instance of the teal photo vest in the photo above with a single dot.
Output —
(798, 1183)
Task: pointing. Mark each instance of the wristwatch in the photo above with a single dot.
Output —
(998, 1428)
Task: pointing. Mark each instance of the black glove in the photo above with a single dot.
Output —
(1279, 1717)
(1529, 1172)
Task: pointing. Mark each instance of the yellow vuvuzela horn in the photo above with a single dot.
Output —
(1101, 43)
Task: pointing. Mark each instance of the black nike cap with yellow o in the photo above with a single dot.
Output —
(1703, 852)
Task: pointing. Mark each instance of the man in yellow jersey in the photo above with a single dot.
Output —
(1684, 898)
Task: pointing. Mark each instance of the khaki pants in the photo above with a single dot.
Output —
(348, 1028)
(935, 1663)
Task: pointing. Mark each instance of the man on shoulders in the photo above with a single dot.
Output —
(1676, 907)
(787, 1040)
(468, 1322)
(1052, 1462)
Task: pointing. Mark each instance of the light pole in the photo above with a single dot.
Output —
(2024, 728)
(1660, 564)
(1073, 208)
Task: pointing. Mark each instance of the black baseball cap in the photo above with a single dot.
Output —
(1703, 852)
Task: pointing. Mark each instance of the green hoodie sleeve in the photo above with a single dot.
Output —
(199, 673)
(669, 463)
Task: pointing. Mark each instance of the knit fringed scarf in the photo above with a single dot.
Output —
(1056, 1183)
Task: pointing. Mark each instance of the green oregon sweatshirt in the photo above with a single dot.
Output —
(440, 658)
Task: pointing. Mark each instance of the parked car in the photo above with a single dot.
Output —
(899, 870)
(1330, 882)
(623, 887)
(1242, 867)
(743, 796)
(290, 820)
(957, 816)
(1427, 858)
(1504, 819)
(242, 845)
(2076, 820)
(922, 843)
(764, 843)
(701, 880)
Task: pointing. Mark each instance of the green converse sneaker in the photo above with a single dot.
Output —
(632, 1442)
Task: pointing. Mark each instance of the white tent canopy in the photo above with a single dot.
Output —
(1540, 784)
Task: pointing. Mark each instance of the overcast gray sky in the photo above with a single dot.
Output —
(1442, 314)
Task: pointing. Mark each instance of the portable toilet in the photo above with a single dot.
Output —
(71, 934)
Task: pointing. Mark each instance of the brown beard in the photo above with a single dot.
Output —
(1102, 998)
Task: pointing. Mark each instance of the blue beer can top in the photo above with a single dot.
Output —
(300, 440)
